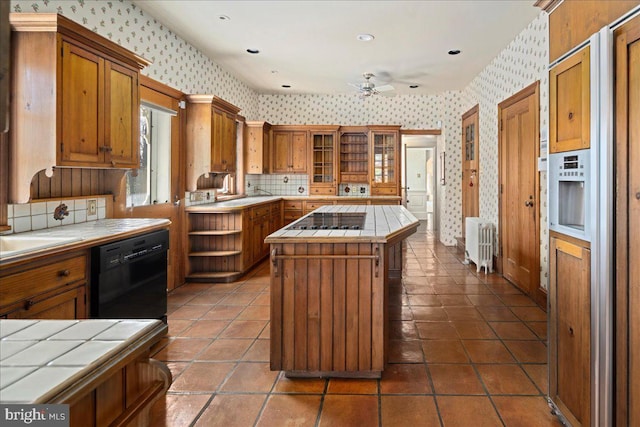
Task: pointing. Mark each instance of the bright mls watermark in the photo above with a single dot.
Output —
(34, 415)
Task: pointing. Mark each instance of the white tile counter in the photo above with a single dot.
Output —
(83, 235)
(41, 360)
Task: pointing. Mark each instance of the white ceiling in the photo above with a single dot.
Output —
(312, 45)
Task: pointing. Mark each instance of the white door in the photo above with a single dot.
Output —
(419, 200)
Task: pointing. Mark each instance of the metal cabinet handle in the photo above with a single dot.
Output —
(64, 273)
(28, 304)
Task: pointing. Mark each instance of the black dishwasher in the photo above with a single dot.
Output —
(129, 278)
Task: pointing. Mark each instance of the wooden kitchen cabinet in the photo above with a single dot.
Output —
(211, 137)
(322, 161)
(223, 141)
(289, 150)
(256, 149)
(569, 103)
(225, 244)
(570, 329)
(354, 155)
(80, 108)
(292, 210)
(385, 160)
(53, 288)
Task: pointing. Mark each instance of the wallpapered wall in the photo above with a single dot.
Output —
(182, 66)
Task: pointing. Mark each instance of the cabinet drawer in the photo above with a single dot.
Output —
(311, 206)
(260, 212)
(26, 284)
(325, 191)
(383, 191)
(292, 204)
(292, 215)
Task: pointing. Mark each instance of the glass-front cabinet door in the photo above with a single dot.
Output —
(323, 162)
(385, 163)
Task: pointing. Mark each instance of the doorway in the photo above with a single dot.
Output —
(419, 177)
(519, 147)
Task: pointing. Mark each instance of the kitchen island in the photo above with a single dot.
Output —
(330, 274)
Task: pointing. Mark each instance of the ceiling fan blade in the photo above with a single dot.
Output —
(384, 88)
(387, 94)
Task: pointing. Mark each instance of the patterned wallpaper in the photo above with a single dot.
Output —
(520, 64)
(182, 66)
(174, 61)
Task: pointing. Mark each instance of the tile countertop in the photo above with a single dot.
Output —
(245, 202)
(85, 234)
(382, 223)
(40, 359)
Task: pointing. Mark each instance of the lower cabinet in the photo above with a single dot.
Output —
(223, 245)
(570, 330)
(53, 288)
(292, 210)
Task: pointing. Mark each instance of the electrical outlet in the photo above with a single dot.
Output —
(92, 207)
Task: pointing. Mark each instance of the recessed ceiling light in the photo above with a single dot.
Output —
(224, 18)
(365, 37)
(253, 51)
(286, 86)
(413, 86)
(454, 52)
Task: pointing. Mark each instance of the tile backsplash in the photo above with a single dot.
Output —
(39, 215)
(276, 185)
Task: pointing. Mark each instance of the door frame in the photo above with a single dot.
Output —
(403, 145)
(533, 89)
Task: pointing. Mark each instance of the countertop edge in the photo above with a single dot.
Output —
(79, 245)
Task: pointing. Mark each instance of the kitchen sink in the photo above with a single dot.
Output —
(14, 243)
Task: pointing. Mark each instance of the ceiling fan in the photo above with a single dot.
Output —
(368, 88)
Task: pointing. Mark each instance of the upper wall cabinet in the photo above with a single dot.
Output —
(289, 150)
(211, 137)
(385, 160)
(322, 160)
(569, 103)
(75, 99)
(256, 148)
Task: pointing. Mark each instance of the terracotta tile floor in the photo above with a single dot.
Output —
(466, 349)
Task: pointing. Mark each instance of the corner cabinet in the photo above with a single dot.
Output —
(569, 103)
(322, 161)
(384, 161)
(570, 329)
(82, 106)
(211, 137)
(289, 150)
(224, 244)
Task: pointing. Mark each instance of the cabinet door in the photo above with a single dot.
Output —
(299, 152)
(123, 122)
(569, 104)
(570, 330)
(228, 149)
(81, 125)
(385, 174)
(217, 135)
(280, 157)
(69, 304)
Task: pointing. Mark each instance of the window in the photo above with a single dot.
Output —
(151, 182)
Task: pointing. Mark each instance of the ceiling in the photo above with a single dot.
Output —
(313, 47)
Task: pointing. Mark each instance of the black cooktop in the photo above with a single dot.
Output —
(331, 221)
